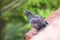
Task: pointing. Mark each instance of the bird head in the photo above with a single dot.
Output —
(27, 12)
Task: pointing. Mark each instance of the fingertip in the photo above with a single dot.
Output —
(58, 10)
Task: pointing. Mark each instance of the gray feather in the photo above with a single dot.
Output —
(36, 21)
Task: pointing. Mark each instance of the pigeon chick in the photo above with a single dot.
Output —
(35, 20)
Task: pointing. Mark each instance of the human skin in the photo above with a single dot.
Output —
(33, 32)
(50, 32)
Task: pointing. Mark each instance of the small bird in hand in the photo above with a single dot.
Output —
(35, 20)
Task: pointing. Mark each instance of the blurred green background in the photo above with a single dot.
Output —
(13, 22)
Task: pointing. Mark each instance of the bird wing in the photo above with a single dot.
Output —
(35, 22)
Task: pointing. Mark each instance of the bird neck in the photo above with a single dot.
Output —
(29, 16)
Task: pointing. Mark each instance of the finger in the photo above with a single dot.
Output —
(58, 10)
(53, 16)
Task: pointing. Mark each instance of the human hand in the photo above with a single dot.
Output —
(51, 32)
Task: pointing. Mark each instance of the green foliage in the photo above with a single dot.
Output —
(17, 24)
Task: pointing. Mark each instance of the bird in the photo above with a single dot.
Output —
(36, 21)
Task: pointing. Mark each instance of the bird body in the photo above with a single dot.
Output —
(35, 20)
